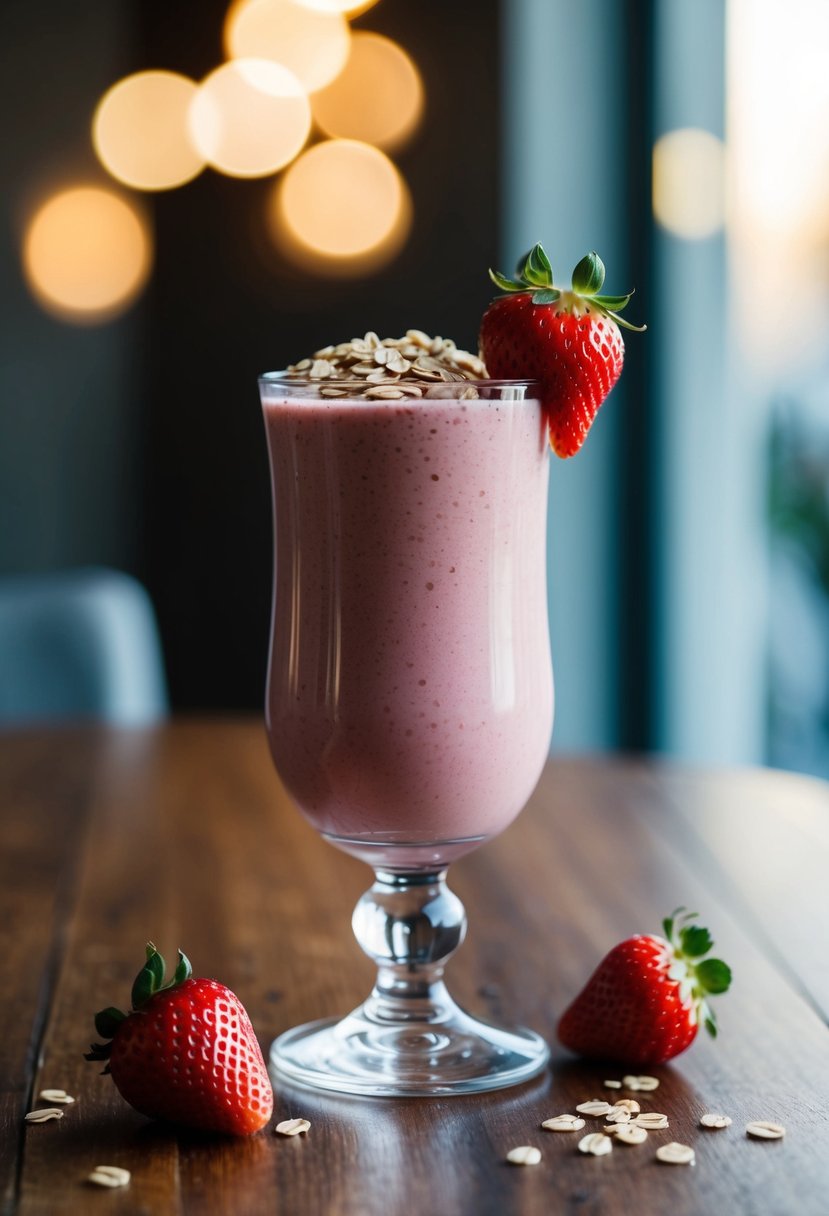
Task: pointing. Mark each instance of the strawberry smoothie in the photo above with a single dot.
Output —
(410, 693)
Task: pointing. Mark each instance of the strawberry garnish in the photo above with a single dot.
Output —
(186, 1052)
(570, 341)
(645, 1001)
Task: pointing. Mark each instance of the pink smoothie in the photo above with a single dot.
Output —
(410, 694)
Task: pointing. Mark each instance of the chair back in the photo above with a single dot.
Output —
(84, 643)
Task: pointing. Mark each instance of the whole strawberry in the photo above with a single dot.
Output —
(186, 1052)
(568, 340)
(645, 1001)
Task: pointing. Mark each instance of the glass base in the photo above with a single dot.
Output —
(457, 1055)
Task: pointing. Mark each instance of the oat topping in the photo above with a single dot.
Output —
(392, 368)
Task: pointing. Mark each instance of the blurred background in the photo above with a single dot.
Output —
(195, 193)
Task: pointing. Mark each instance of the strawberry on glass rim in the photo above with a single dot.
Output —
(186, 1052)
(646, 999)
(570, 341)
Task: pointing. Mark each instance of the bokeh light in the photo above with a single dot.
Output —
(311, 44)
(778, 180)
(689, 182)
(378, 96)
(141, 134)
(86, 254)
(250, 117)
(341, 208)
(351, 8)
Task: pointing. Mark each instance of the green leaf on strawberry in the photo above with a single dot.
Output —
(589, 275)
(535, 268)
(713, 975)
(695, 941)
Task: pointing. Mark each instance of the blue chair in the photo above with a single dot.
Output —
(81, 644)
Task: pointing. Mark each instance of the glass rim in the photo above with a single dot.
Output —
(288, 378)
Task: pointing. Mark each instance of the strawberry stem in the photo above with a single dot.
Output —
(148, 982)
(707, 976)
(534, 273)
(150, 978)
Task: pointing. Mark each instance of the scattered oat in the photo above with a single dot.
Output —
(629, 1105)
(595, 1108)
(597, 1144)
(762, 1130)
(651, 1121)
(563, 1123)
(715, 1121)
(629, 1133)
(109, 1175)
(645, 1084)
(292, 1127)
(618, 1114)
(676, 1154)
(44, 1114)
(60, 1096)
(525, 1154)
(613, 1084)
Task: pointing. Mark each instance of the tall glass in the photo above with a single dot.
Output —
(410, 693)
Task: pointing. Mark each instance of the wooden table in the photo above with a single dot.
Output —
(182, 834)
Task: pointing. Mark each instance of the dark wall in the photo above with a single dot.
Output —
(223, 307)
(70, 413)
(138, 443)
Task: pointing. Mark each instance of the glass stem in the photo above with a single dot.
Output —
(409, 924)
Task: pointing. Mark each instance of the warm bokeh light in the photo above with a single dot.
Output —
(86, 254)
(341, 208)
(311, 44)
(689, 183)
(351, 8)
(778, 188)
(378, 96)
(250, 117)
(141, 132)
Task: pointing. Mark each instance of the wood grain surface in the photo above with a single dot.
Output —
(183, 835)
